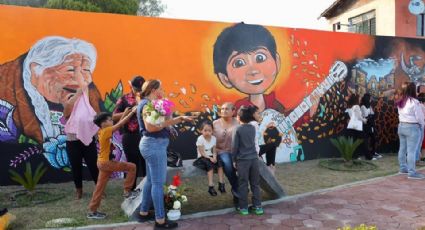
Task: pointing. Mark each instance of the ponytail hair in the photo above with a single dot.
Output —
(149, 86)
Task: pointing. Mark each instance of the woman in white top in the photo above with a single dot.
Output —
(369, 127)
(355, 126)
(411, 120)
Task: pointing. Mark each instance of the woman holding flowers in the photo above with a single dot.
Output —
(154, 116)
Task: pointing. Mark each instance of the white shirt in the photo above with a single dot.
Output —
(366, 111)
(411, 112)
(208, 145)
(355, 113)
(257, 134)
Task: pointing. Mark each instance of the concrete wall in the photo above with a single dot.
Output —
(405, 21)
(306, 78)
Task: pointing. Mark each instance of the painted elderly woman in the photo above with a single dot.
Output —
(40, 89)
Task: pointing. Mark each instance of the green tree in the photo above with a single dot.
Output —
(79, 5)
(130, 7)
(150, 8)
(33, 3)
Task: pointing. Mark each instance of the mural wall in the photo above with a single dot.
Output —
(300, 79)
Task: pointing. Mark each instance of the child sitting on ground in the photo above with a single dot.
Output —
(245, 156)
(107, 166)
(207, 157)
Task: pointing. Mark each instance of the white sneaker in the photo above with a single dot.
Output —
(374, 159)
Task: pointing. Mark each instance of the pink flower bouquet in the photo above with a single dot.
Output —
(158, 110)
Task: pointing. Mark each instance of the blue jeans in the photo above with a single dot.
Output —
(154, 150)
(421, 138)
(409, 135)
(229, 171)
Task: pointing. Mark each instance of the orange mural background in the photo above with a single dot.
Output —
(179, 52)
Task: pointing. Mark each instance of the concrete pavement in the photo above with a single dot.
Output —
(392, 202)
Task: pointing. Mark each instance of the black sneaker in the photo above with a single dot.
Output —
(166, 225)
(212, 191)
(96, 215)
(221, 187)
(143, 218)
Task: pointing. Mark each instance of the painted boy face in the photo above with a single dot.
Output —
(252, 72)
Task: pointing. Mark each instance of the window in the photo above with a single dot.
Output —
(420, 30)
(336, 26)
(364, 23)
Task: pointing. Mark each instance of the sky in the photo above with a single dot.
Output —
(284, 13)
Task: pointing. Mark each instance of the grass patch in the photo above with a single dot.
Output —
(296, 178)
(22, 198)
(339, 164)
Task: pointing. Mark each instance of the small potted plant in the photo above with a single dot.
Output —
(174, 198)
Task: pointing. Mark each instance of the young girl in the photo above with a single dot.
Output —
(268, 148)
(356, 126)
(207, 157)
(369, 126)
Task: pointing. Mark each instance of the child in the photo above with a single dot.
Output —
(369, 127)
(245, 157)
(420, 161)
(107, 166)
(269, 148)
(257, 118)
(208, 157)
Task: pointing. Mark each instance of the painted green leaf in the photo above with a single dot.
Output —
(112, 97)
(26, 140)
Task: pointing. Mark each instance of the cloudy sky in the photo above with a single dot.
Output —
(285, 13)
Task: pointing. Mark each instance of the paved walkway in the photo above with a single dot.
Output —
(393, 202)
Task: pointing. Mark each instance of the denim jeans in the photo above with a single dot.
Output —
(418, 151)
(154, 150)
(409, 135)
(229, 171)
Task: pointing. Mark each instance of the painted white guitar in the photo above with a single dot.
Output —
(271, 117)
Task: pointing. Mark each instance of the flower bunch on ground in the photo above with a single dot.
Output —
(174, 194)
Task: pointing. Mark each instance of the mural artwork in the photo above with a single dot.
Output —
(299, 79)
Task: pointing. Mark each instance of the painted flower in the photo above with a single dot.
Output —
(177, 205)
(8, 131)
(55, 152)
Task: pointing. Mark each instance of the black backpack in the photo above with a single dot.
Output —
(174, 159)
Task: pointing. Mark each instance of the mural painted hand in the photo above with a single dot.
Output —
(55, 152)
